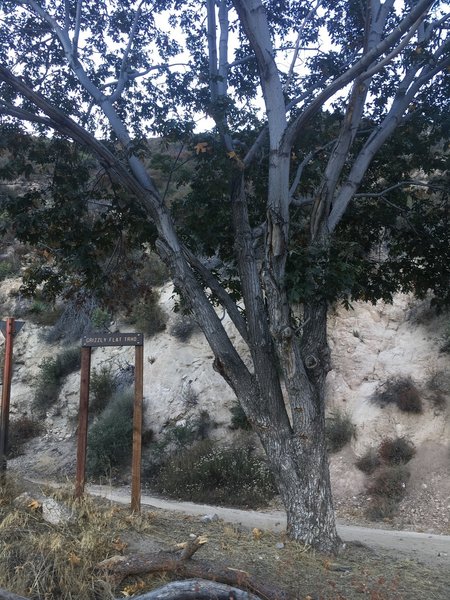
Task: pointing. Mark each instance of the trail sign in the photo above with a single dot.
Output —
(112, 339)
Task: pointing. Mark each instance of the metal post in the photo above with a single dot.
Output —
(83, 421)
(6, 393)
(137, 429)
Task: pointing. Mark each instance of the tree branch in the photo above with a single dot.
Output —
(122, 80)
(404, 96)
(363, 64)
(224, 298)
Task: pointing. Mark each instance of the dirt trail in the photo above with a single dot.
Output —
(428, 548)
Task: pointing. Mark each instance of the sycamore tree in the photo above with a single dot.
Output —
(304, 190)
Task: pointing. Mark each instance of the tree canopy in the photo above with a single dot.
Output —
(306, 162)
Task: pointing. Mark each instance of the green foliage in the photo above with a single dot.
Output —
(239, 418)
(21, 431)
(400, 391)
(100, 318)
(147, 316)
(208, 473)
(339, 430)
(396, 451)
(52, 372)
(110, 438)
(102, 387)
(43, 313)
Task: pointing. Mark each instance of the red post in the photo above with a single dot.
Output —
(137, 429)
(6, 392)
(83, 421)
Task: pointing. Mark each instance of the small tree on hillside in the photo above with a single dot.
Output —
(277, 187)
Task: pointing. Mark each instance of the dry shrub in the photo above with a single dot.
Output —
(339, 430)
(209, 473)
(380, 508)
(387, 487)
(57, 562)
(396, 451)
(368, 462)
(400, 391)
(439, 402)
(389, 482)
(21, 431)
(183, 329)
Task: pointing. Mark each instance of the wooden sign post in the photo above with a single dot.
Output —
(9, 328)
(112, 339)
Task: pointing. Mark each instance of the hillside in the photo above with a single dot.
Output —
(377, 351)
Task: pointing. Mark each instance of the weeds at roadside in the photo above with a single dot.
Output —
(217, 475)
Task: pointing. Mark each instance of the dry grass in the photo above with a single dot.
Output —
(57, 563)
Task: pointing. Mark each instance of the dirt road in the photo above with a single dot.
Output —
(428, 548)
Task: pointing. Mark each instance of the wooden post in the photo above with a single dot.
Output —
(6, 393)
(137, 429)
(83, 421)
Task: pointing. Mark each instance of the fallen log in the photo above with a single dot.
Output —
(192, 589)
(197, 589)
(181, 565)
(5, 595)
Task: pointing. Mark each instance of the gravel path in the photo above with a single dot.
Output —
(428, 548)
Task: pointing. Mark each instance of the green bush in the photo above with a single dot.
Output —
(100, 318)
(396, 451)
(368, 462)
(217, 475)
(400, 391)
(339, 430)
(175, 440)
(146, 315)
(51, 377)
(43, 313)
(239, 418)
(102, 387)
(110, 438)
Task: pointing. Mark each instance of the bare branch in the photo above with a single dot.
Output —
(303, 24)
(121, 82)
(76, 35)
(407, 183)
(405, 94)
